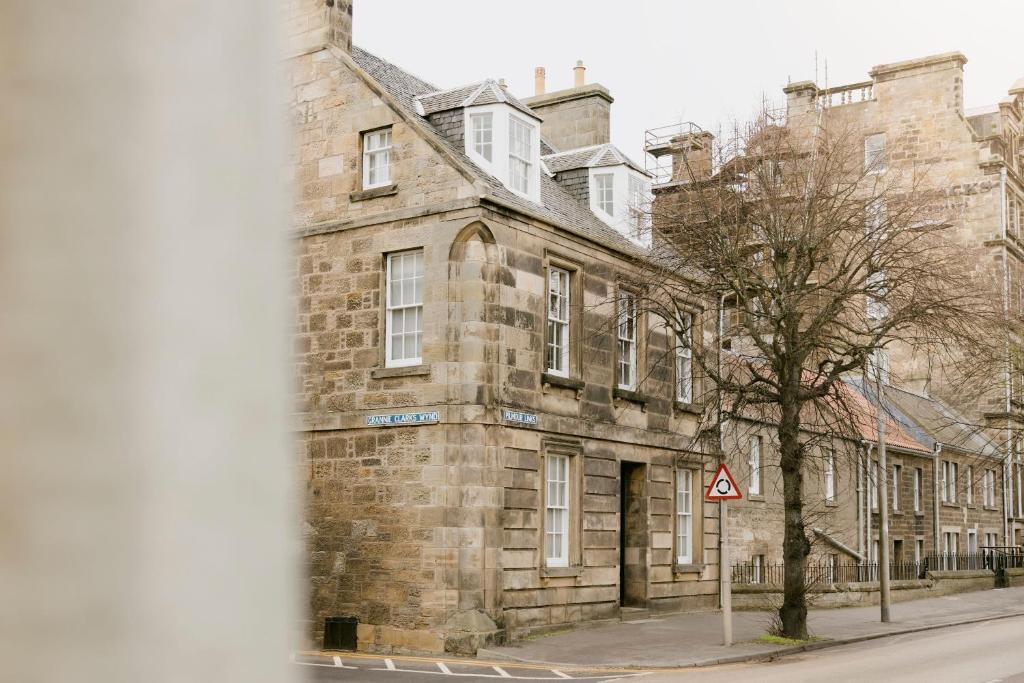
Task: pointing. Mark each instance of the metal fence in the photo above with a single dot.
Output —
(993, 558)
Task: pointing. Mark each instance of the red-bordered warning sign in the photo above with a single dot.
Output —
(723, 486)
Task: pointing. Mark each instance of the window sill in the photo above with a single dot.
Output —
(898, 513)
(556, 572)
(687, 407)
(993, 508)
(405, 371)
(955, 506)
(564, 382)
(630, 395)
(831, 503)
(688, 568)
(373, 193)
(756, 497)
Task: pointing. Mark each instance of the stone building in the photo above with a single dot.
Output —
(493, 439)
(912, 113)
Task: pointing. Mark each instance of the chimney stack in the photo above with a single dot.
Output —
(538, 81)
(575, 117)
(503, 83)
(340, 12)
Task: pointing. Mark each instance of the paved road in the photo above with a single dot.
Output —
(979, 653)
(987, 652)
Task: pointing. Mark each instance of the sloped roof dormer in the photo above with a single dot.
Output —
(475, 94)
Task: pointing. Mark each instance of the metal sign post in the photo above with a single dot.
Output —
(723, 488)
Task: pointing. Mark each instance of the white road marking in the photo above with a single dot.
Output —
(560, 674)
(340, 665)
(444, 668)
(389, 664)
(502, 672)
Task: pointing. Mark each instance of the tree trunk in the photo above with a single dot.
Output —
(796, 547)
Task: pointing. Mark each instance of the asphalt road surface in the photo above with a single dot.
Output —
(988, 652)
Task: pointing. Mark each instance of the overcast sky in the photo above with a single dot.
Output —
(707, 62)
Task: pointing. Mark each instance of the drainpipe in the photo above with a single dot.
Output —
(935, 498)
(860, 500)
(1009, 364)
(867, 503)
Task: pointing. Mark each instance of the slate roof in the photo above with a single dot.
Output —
(594, 156)
(484, 92)
(557, 205)
(899, 431)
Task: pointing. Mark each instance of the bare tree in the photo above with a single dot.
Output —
(812, 262)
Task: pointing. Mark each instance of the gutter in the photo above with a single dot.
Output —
(935, 498)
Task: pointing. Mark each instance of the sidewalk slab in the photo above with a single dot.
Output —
(695, 639)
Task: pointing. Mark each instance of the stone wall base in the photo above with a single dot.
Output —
(767, 596)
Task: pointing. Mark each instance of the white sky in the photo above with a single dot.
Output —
(707, 62)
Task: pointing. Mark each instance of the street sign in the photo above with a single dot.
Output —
(402, 419)
(519, 416)
(722, 486)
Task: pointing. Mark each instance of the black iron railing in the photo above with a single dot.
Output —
(992, 558)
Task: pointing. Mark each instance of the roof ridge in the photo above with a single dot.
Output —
(473, 95)
(444, 91)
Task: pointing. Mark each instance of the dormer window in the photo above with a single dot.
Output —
(482, 134)
(506, 144)
(520, 154)
(604, 192)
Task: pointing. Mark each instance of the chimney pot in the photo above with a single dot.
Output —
(538, 81)
(502, 83)
(578, 71)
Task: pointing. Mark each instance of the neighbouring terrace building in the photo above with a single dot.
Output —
(494, 438)
(956, 468)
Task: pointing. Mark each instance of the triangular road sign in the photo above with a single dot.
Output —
(723, 486)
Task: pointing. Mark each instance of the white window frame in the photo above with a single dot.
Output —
(918, 484)
(874, 154)
(755, 456)
(637, 192)
(952, 482)
(943, 478)
(684, 516)
(878, 362)
(830, 475)
(873, 478)
(897, 471)
(877, 308)
(684, 362)
(558, 317)
(989, 487)
(604, 189)
(391, 308)
(557, 509)
(626, 331)
(375, 152)
(481, 130)
(514, 157)
(918, 550)
(969, 487)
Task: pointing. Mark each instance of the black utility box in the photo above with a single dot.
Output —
(340, 633)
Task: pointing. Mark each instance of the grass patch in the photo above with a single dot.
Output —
(786, 642)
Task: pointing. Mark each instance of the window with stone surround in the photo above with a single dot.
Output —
(482, 132)
(404, 303)
(918, 487)
(558, 322)
(969, 486)
(377, 158)
(684, 516)
(874, 153)
(557, 510)
(684, 361)
(897, 473)
(626, 347)
(830, 474)
(754, 462)
(989, 489)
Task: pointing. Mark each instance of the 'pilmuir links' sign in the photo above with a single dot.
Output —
(402, 419)
(520, 417)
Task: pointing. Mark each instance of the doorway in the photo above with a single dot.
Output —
(633, 534)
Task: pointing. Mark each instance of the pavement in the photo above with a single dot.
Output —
(695, 639)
